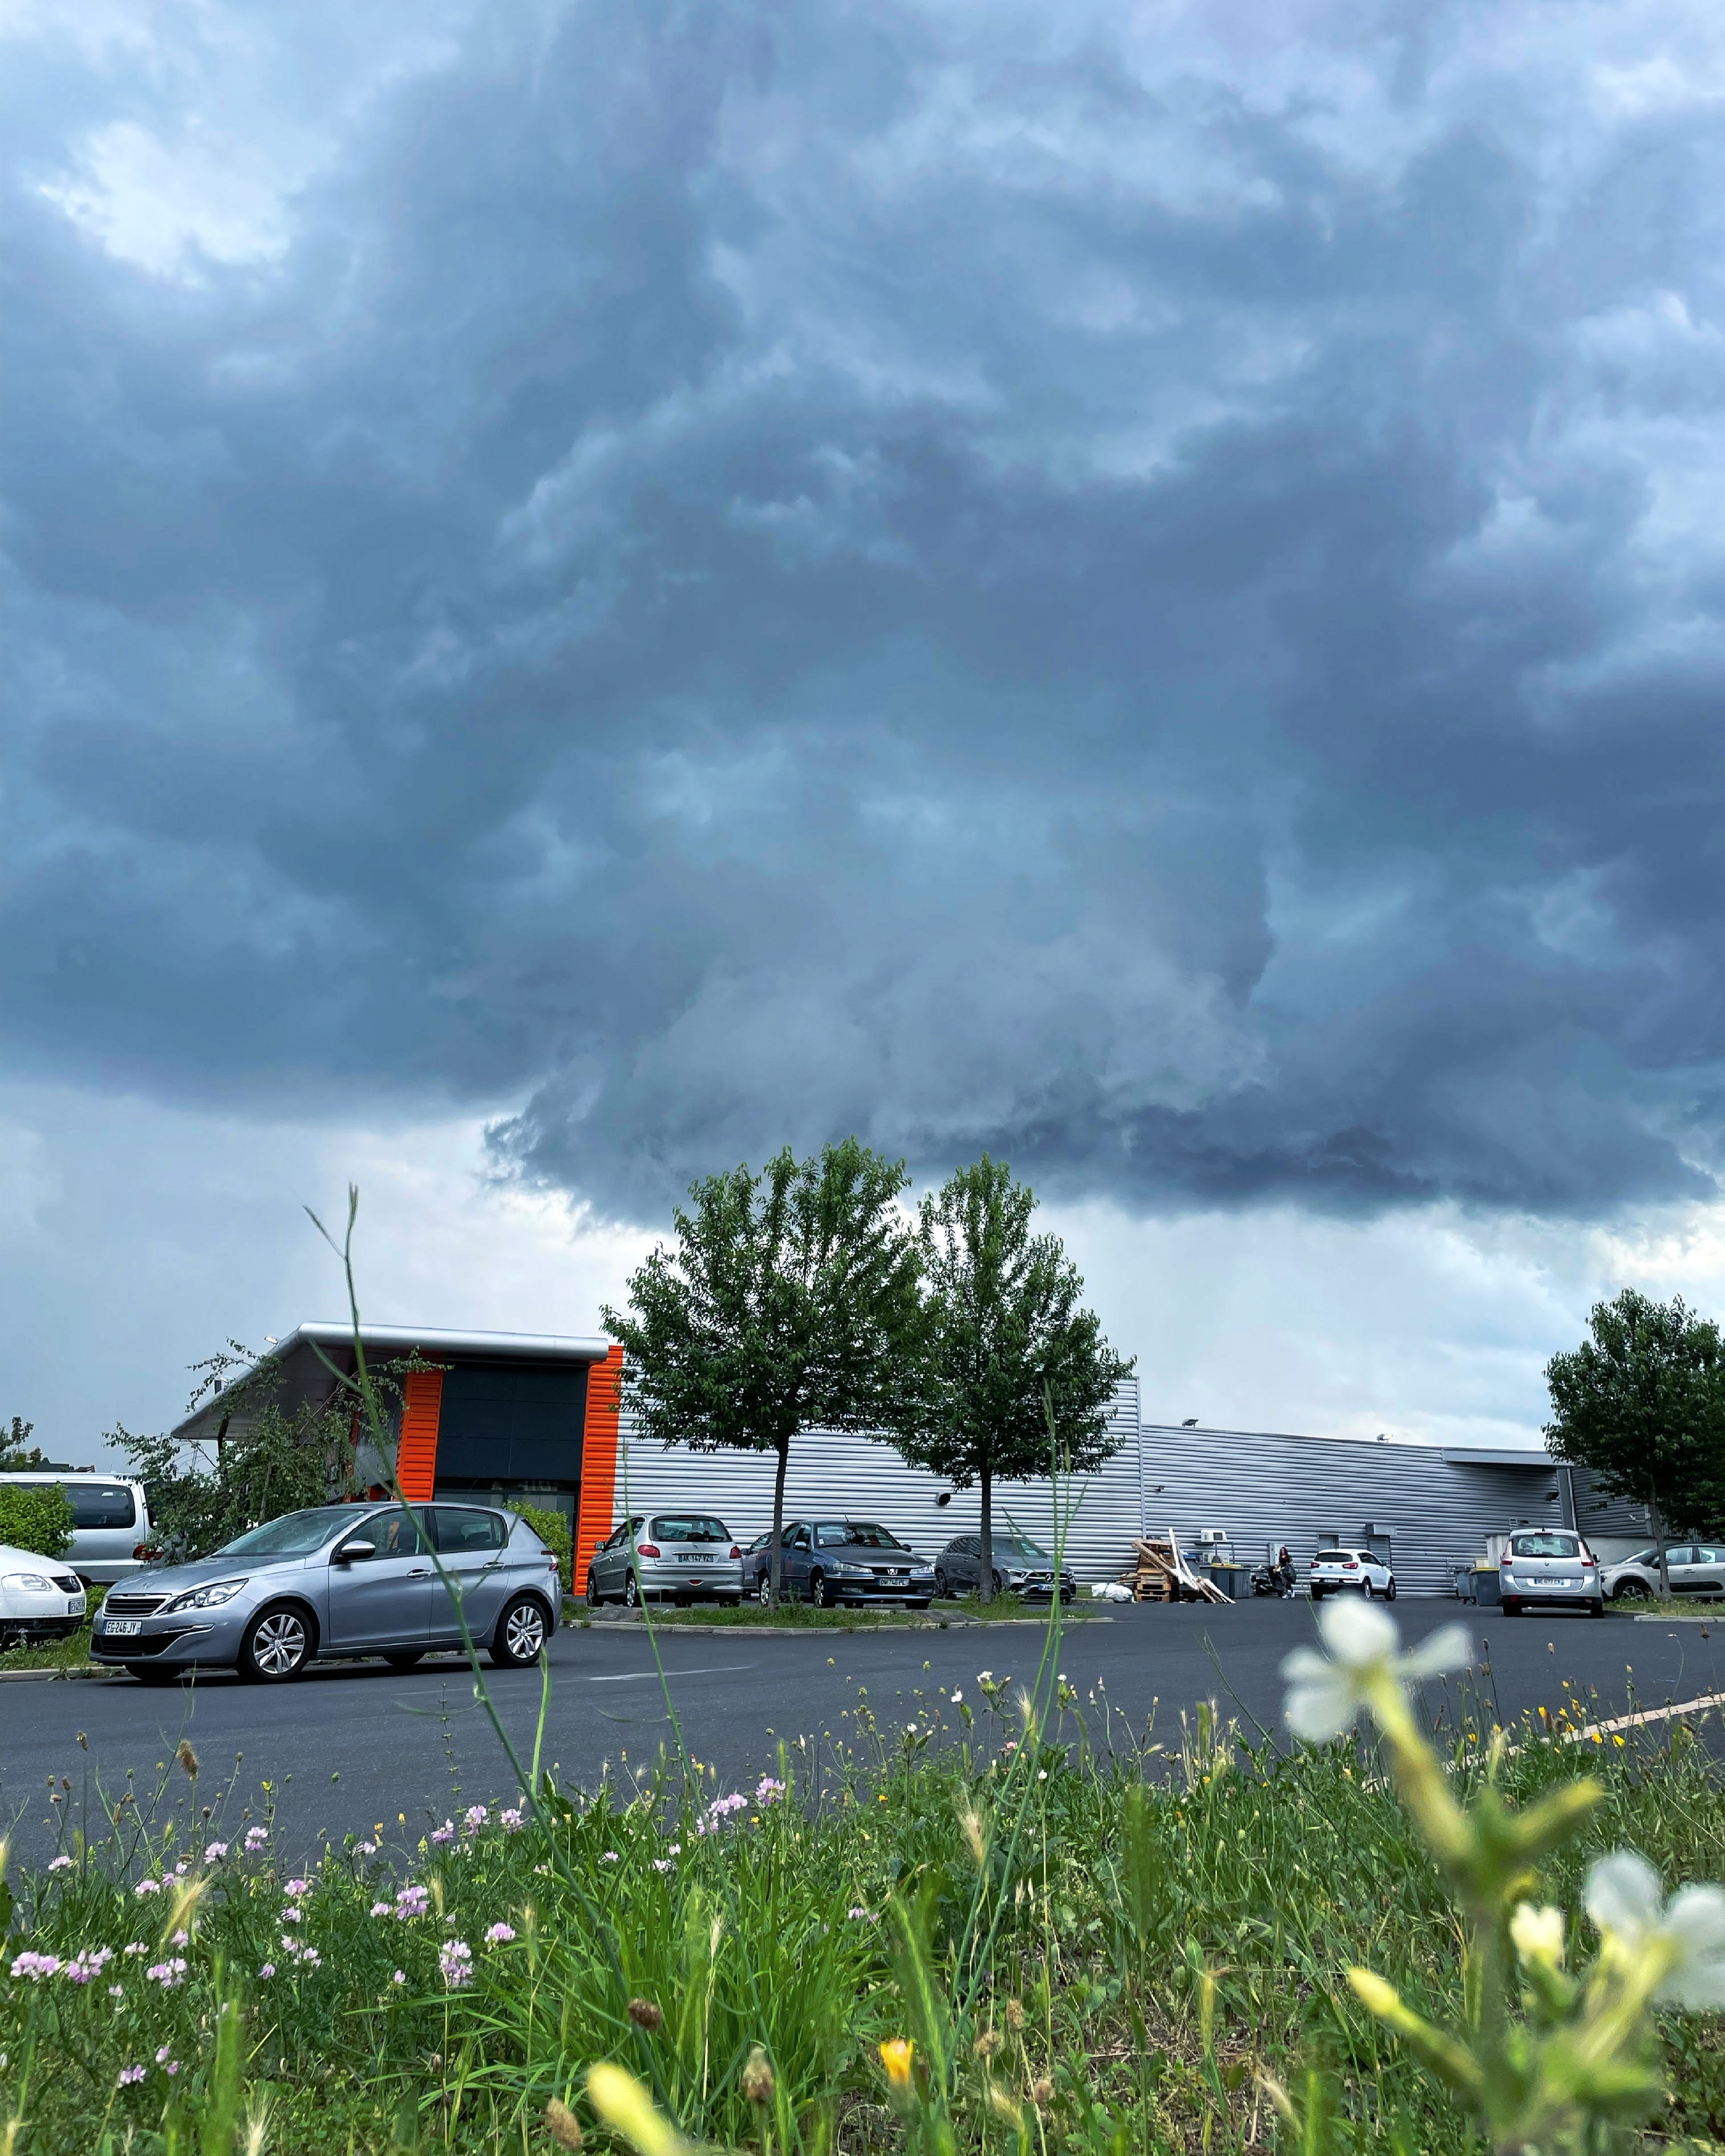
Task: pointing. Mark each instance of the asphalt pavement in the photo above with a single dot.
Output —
(357, 1744)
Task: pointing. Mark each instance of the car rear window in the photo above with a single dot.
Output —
(454, 1528)
(94, 1504)
(863, 1534)
(690, 1527)
(1336, 1557)
(1545, 1545)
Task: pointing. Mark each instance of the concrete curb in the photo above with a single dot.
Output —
(629, 1627)
(1687, 1617)
(57, 1677)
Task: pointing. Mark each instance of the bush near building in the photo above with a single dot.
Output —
(38, 1520)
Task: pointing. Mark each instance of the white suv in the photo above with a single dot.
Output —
(1333, 1569)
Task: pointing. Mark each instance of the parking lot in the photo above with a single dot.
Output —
(356, 1744)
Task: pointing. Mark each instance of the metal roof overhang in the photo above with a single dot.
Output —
(435, 1340)
(329, 1336)
(1499, 1455)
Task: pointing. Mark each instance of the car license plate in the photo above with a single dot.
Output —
(695, 1557)
(121, 1627)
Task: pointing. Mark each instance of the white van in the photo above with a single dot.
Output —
(110, 1521)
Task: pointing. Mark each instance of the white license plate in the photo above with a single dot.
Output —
(694, 1558)
(121, 1627)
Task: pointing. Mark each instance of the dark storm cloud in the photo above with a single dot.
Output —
(732, 575)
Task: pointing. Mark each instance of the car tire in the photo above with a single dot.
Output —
(1632, 1590)
(920, 1604)
(763, 1590)
(1596, 1609)
(1317, 1593)
(942, 1585)
(521, 1633)
(1390, 1591)
(1510, 1606)
(998, 1587)
(632, 1592)
(278, 1644)
(406, 1658)
(818, 1590)
(154, 1673)
(1367, 1589)
(594, 1596)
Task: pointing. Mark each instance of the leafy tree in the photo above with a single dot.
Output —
(1641, 1405)
(1008, 1341)
(17, 1452)
(789, 1303)
(266, 1459)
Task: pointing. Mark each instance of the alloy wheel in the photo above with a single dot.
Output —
(279, 1643)
(524, 1632)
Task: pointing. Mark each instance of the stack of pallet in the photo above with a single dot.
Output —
(1160, 1573)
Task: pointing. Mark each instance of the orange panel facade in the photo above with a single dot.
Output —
(599, 1461)
(416, 1454)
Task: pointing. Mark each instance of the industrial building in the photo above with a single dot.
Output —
(535, 1418)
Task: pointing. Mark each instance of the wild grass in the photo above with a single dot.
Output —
(1665, 1605)
(1168, 1923)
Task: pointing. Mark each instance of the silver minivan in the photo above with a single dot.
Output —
(110, 1521)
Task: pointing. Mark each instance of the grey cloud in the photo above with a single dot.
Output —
(776, 574)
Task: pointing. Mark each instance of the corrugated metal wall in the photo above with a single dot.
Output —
(1598, 1515)
(867, 1478)
(1259, 1487)
(1263, 1489)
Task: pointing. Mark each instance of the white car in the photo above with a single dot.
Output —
(1361, 1569)
(1694, 1568)
(39, 1600)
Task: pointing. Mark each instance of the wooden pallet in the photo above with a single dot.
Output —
(1160, 1573)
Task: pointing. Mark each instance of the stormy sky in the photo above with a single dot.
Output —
(593, 589)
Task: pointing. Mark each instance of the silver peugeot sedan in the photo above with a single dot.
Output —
(686, 1557)
(336, 1582)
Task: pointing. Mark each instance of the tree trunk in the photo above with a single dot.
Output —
(774, 1553)
(1658, 1526)
(985, 1581)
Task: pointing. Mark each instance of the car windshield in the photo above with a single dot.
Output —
(691, 1527)
(855, 1534)
(1545, 1546)
(1016, 1546)
(294, 1534)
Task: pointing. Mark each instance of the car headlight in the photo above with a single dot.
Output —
(207, 1598)
(33, 1583)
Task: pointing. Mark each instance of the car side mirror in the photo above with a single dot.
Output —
(355, 1551)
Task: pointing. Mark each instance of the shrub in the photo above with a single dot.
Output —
(36, 1519)
(553, 1528)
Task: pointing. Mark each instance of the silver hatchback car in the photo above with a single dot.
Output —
(684, 1556)
(337, 1581)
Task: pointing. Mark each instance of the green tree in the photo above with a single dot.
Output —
(17, 1452)
(1007, 1338)
(37, 1518)
(262, 1460)
(1641, 1405)
(789, 1303)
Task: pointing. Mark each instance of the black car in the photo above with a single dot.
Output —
(1021, 1568)
(827, 1562)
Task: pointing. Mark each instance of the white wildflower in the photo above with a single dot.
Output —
(1325, 1692)
(1622, 1896)
(1538, 1933)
